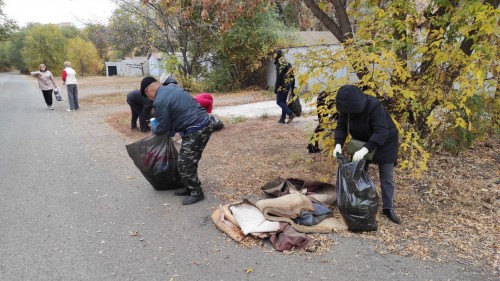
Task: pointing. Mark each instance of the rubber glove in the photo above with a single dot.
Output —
(338, 149)
(358, 155)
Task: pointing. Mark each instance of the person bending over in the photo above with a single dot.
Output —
(365, 119)
(178, 112)
(141, 109)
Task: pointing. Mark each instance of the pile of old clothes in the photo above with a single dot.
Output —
(294, 208)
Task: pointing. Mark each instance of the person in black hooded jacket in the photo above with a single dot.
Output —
(284, 80)
(141, 108)
(365, 119)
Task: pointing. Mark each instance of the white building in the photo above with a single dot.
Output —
(137, 66)
(309, 41)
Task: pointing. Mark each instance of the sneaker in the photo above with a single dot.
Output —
(48, 107)
(70, 109)
(51, 107)
(193, 198)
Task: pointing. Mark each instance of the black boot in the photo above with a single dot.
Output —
(182, 192)
(313, 149)
(282, 121)
(290, 118)
(391, 215)
(195, 196)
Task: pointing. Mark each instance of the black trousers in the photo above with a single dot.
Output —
(138, 114)
(47, 95)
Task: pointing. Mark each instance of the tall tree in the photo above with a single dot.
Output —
(186, 29)
(44, 44)
(130, 32)
(84, 57)
(436, 81)
(7, 25)
(241, 50)
(99, 35)
(16, 44)
(439, 82)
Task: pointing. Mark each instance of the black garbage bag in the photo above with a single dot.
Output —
(156, 158)
(294, 103)
(357, 197)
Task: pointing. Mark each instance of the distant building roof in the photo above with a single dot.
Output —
(157, 56)
(315, 38)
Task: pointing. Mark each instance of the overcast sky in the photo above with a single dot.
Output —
(57, 11)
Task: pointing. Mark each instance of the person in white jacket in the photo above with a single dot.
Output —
(69, 78)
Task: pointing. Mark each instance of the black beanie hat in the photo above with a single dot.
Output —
(146, 81)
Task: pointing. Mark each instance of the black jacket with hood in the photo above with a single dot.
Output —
(136, 101)
(284, 76)
(368, 122)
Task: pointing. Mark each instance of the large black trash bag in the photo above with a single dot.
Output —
(156, 158)
(356, 196)
(294, 103)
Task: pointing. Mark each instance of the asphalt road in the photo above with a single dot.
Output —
(74, 207)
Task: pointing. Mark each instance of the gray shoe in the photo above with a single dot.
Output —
(195, 196)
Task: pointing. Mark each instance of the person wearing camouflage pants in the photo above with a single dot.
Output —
(178, 112)
(189, 157)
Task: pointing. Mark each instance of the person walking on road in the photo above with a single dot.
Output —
(69, 78)
(365, 119)
(141, 109)
(284, 80)
(46, 83)
(178, 112)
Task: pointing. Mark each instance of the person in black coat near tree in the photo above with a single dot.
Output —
(141, 108)
(365, 118)
(284, 80)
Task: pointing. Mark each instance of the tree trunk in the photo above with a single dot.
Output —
(327, 21)
(281, 11)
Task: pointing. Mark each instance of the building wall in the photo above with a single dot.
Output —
(130, 67)
(290, 57)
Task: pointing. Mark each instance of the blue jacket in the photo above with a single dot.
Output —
(176, 110)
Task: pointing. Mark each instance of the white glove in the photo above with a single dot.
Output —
(338, 149)
(358, 155)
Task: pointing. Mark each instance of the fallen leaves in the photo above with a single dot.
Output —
(451, 214)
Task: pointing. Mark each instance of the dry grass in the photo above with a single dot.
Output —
(117, 98)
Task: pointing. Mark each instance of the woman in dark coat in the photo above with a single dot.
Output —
(141, 108)
(365, 118)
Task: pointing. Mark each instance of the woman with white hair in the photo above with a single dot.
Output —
(69, 78)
